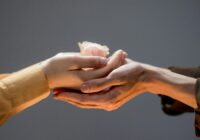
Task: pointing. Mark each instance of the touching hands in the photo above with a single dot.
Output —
(66, 70)
(126, 82)
(110, 92)
(90, 80)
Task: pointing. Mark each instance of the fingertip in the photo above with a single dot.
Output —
(121, 53)
(56, 91)
(55, 97)
(84, 88)
(125, 54)
(116, 52)
(103, 61)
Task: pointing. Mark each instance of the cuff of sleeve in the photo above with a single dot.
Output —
(197, 89)
(25, 88)
(197, 111)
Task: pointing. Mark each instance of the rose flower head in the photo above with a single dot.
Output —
(89, 48)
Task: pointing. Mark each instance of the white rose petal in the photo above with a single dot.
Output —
(89, 48)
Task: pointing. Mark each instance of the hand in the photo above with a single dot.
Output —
(126, 82)
(66, 69)
(174, 107)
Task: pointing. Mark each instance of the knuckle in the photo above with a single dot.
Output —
(114, 74)
(51, 62)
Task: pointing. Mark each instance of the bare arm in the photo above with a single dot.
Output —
(176, 86)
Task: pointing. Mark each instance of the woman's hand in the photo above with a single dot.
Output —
(66, 69)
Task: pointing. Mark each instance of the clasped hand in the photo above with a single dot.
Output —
(71, 71)
(108, 83)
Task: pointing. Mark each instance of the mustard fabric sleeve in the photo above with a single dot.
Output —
(21, 90)
(197, 111)
(3, 76)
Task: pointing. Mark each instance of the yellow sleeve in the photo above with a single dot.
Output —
(3, 76)
(21, 90)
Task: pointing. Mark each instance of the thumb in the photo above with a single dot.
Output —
(89, 61)
(97, 85)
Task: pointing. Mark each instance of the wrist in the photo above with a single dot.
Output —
(151, 78)
(159, 80)
(142, 78)
(179, 87)
(44, 65)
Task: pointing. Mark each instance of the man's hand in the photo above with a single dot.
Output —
(67, 69)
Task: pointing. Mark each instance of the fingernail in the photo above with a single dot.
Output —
(84, 87)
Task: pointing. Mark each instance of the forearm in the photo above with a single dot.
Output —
(176, 86)
(21, 90)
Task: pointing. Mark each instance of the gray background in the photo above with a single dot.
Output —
(158, 32)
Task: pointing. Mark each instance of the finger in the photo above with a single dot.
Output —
(109, 100)
(117, 59)
(129, 94)
(71, 95)
(77, 104)
(88, 61)
(59, 90)
(79, 97)
(67, 54)
(97, 85)
(84, 106)
(99, 99)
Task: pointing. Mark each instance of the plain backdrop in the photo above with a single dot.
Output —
(159, 32)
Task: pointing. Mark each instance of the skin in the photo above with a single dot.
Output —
(67, 69)
(128, 81)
